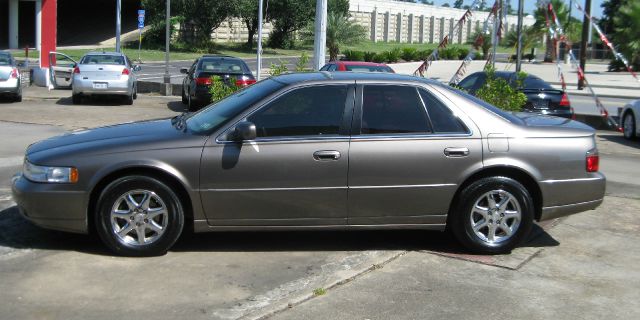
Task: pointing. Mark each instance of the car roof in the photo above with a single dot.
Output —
(361, 63)
(105, 53)
(221, 56)
(6, 53)
(290, 78)
(507, 74)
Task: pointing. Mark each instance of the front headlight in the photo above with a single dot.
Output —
(49, 174)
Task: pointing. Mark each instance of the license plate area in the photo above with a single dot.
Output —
(100, 85)
(541, 104)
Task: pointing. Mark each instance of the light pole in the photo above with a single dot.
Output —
(118, 23)
(167, 77)
(259, 71)
(583, 44)
(320, 41)
(519, 48)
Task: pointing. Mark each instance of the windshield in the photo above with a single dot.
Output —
(368, 68)
(212, 117)
(509, 116)
(5, 59)
(221, 65)
(102, 59)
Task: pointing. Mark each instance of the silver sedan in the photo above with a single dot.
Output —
(317, 151)
(10, 77)
(104, 73)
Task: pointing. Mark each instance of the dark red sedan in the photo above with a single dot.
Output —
(357, 66)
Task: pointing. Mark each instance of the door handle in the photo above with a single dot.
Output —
(456, 152)
(326, 155)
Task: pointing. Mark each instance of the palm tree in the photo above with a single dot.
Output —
(627, 30)
(340, 31)
(529, 38)
(540, 26)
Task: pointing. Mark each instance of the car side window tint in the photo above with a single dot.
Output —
(468, 82)
(393, 110)
(325, 67)
(333, 67)
(309, 111)
(442, 119)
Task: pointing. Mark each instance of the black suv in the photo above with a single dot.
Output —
(195, 86)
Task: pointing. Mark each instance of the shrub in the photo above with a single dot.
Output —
(449, 53)
(278, 69)
(219, 89)
(462, 53)
(393, 55)
(380, 57)
(301, 65)
(409, 54)
(424, 54)
(369, 56)
(499, 93)
(354, 55)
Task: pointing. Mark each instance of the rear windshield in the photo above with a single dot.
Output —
(221, 65)
(5, 59)
(532, 82)
(102, 59)
(509, 116)
(368, 68)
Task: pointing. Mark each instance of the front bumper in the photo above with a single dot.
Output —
(565, 197)
(50, 205)
(9, 86)
(114, 87)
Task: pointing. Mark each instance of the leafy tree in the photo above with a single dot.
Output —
(288, 16)
(247, 11)
(446, 5)
(426, 2)
(500, 93)
(340, 31)
(610, 9)
(458, 4)
(529, 38)
(540, 26)
(627, 31)
(206, 16)
(483, 45)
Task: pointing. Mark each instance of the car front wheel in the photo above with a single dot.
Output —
(629, 126)
(139, 216)
(493, 215)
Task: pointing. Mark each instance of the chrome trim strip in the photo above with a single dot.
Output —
(290, 139)
(333, 188)
(571, 180)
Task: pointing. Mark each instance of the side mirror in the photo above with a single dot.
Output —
(184, 70)
(136, 68)
(244, 130)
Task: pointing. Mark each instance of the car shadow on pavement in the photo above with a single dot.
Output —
(176, 106)
(95, 101)
(619, 138)
(18, 233)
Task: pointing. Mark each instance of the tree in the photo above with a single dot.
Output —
(206, 16)
(247, 11)
(540, 26)
(458, 4)
(288, 16)
(530, 39)
(483, 45)
(426, 2)
(627, 31)
(446, 5)
(340, 31)
(610, 9)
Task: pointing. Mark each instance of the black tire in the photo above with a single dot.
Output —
(18, 97)
(128, 100)
(135, 92)
(128, 244)
(462, 217)
(76, 99)
(191, 105)
(629, 132)
(185, 101)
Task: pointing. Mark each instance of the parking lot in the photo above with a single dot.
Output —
(580, 267)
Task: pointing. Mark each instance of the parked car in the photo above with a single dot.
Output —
(105, 73)
(357, 66)
(317, 151)
(630, 120)
(541, 97)
(10, 78)
(195, 86)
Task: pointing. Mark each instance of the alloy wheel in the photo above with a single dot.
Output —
(495, 216)
(139, 217)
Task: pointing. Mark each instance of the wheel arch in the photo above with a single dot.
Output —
(154, 172)
(512, 172)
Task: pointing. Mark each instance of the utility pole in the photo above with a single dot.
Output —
(259, 71)
(118, 9)
(494, 37)
(519, 48)
(583, 43)
(167, 34)
(320, 41)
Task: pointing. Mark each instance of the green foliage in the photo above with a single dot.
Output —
(319, 291)
(278, 69)
(219, 89)
(540, 26)
(424, 54)
(393, 55)
(409, 54)
(369, 56)
(288, 16)
(530, 38)
(354, 55)
(627, 31)
(482, 46)
(340, 31)
(303, 61)
(449, 53)
(462, 53)
(500, 93)
(380, 57)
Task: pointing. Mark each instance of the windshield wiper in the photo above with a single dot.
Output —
(180, 122)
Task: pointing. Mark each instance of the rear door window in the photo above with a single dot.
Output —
(442, 118)
(392, 109)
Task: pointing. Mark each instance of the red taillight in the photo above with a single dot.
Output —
(14, 73)
(245, 82)
(593, 161)
(565, 100)
(76, 70)
(203, 81)
(125, 72)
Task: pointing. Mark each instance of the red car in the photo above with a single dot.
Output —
(357, 66)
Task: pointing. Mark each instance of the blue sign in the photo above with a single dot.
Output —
(140, 19)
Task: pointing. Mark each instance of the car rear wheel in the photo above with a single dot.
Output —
(185, 101)
(191, 105)
(128, 100)
(135, 92)
(629, 126)
(18, 97)
(493, 215)
(139, 216)
(76, 98)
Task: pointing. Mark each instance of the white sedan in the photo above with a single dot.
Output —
(630, 118)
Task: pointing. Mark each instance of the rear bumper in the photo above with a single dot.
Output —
(9, 86)
(565, 197)
(549, 213)
(114, 87)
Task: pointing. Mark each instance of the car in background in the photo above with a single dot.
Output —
(196, 84)
(10, 78)
(104, 73)
(357, 66)
(542, 98)
(324, 151)
(629, 120)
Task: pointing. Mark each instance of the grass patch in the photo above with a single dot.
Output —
(319, 292)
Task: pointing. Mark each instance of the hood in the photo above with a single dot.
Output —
(135, 136)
